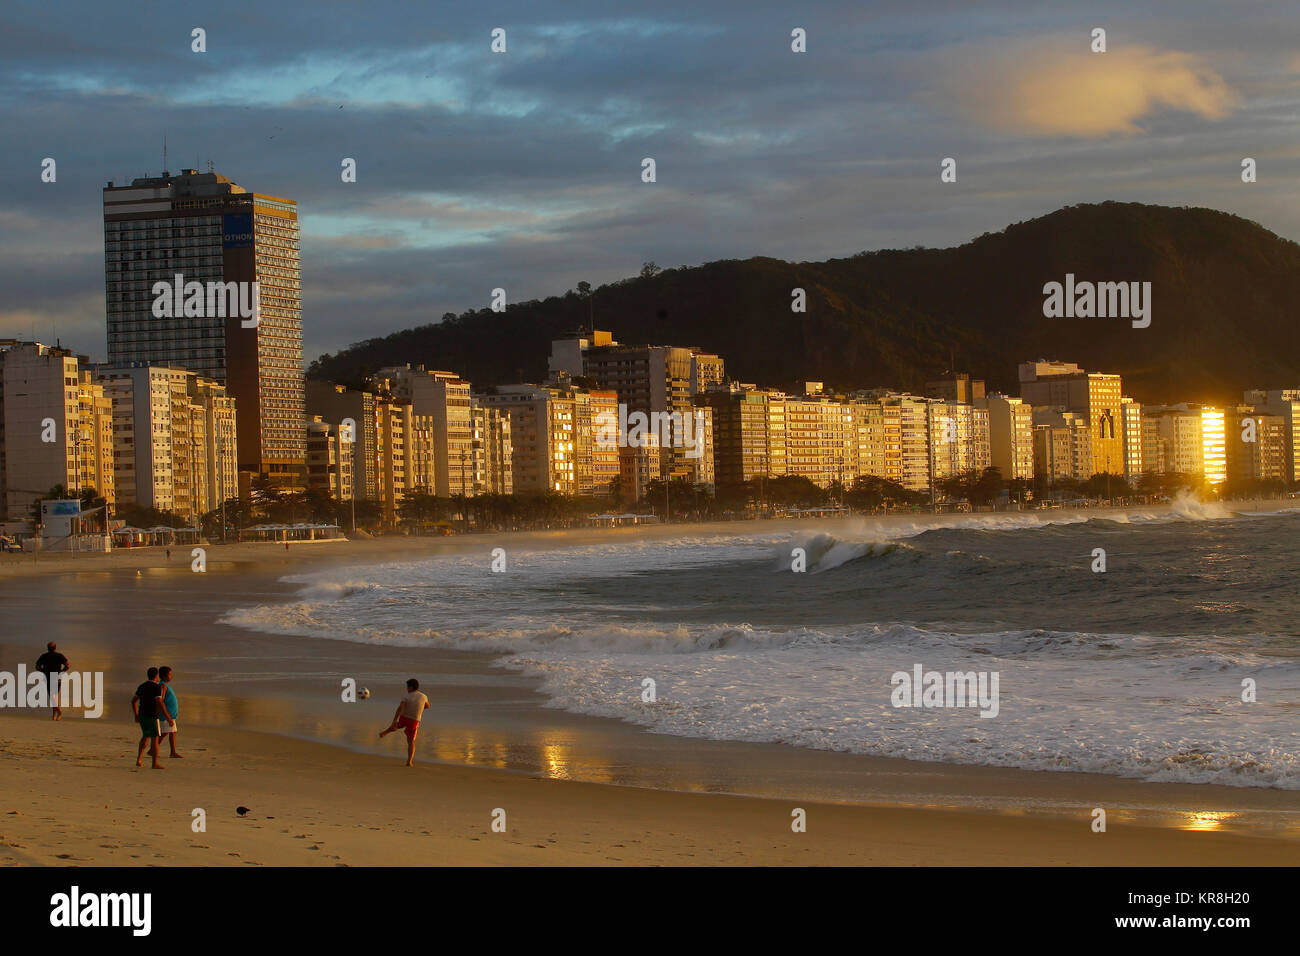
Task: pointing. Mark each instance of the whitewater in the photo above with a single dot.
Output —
(1138, 671)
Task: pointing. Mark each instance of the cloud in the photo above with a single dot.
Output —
(1055, 89)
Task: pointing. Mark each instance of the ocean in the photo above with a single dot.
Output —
(1136, 671)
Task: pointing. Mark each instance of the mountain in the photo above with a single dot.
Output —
(1224, 294)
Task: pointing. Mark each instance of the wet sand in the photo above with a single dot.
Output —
(82, 802)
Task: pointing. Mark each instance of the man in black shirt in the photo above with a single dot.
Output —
(148, 707)
(52, 664)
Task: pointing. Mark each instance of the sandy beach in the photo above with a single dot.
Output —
(82, 802)
(263, 728)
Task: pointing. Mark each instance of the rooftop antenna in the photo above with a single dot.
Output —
(164, 155)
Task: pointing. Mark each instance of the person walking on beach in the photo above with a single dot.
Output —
(146, 703)
(52, 664)
(407, 717)
(172, 711)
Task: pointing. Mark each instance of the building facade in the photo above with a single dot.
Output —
(55, 427)
(1011, 436)
(1096, 396)
(175, 437)
(213, 239)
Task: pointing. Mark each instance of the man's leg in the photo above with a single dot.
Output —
(153, 752)
(54, 695)
(410, 749)
(139, 754)
(171, 739)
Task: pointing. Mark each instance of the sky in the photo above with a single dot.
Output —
(523, 169)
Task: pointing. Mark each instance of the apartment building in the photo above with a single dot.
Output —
(1062, 445)
(877, 441)
(1256, 445)
(749, 428)
(1011, 435)
(329, 459)
(55, 427)
(959, 437)
(175, 437)
(1095, 396)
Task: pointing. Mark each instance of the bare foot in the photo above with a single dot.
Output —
(139, 763)
(159, 766)
(177, 756)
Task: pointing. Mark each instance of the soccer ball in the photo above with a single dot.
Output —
(364, 693)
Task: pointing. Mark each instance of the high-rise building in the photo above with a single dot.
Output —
(1173, 440)
(914, 436)
(878, 440)
(597, 441)
(699, 465)
(638, 467)
(216, 239)
(1062, 445)
(749, 432)
(543, 444)
(1094, 395)
(95, 438)
(1011, 435)
(340, 405)
(647, 379)
(820, 437)
(1214, 450)
(1131, 427)
(445, 398)
(404, 454)
(329, 459)
(175, 437)
(1256, 445)
(55, 427)
(493, 450)
(959, 439)
(1285, 403)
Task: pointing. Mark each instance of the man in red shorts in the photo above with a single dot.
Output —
(407, 717)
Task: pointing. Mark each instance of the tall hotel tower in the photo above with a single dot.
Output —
(207, 229)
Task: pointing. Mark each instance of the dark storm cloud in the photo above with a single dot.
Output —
(523, 170)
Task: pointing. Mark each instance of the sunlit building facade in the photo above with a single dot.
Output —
(206, 228)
